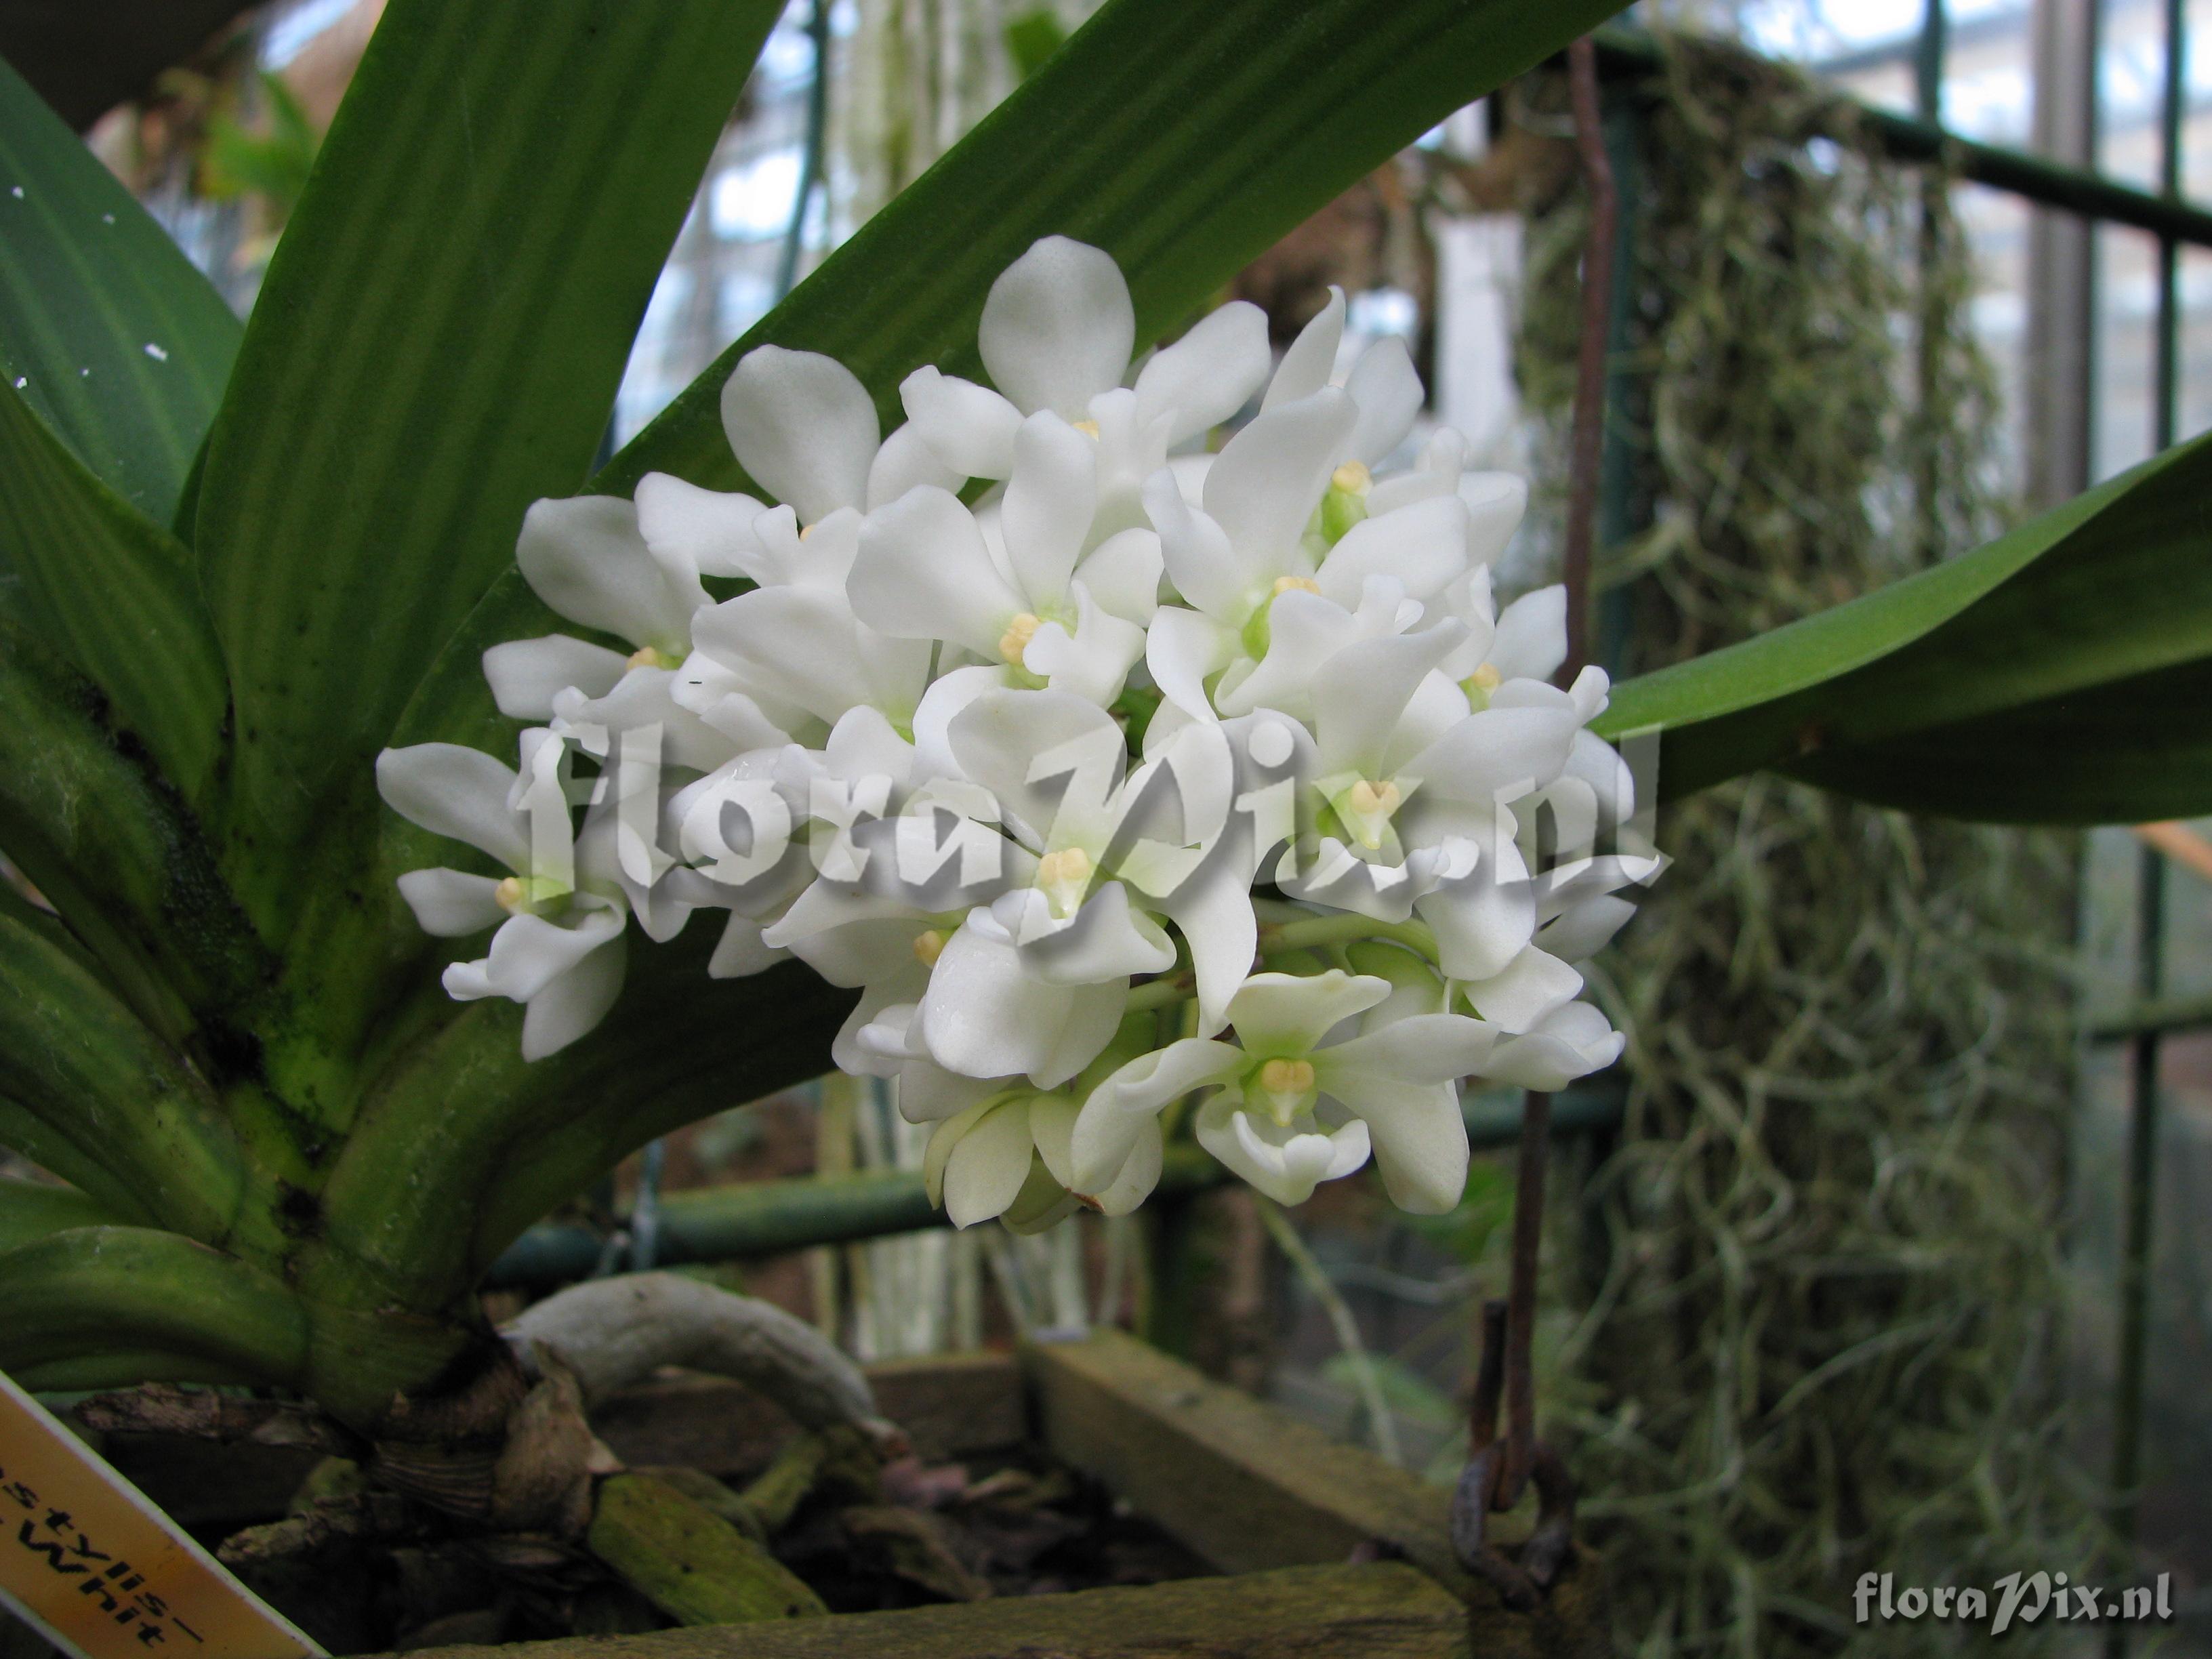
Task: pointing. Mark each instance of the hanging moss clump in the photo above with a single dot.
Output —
(1821, 1335)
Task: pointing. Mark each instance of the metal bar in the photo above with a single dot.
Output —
(768, 1218)
(1631, 55)
(1928, 61)
(2163, 1017)
(2140, 1216)
(2141, 1198)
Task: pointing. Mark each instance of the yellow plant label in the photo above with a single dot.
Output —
(99, 1571)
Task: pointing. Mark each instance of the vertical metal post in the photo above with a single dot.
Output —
(2061, 258)
(810, 165)
(2141, 1202)
(1928, 61)
(1935, 317)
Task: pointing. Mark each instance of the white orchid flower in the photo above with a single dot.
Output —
(1057, 767)
(1040, 605)
(1056, 335)
(585, 558)
(559, 947)
(1571, 1041)
(1294, 1108)
(1007, 1158)
(1526, 641)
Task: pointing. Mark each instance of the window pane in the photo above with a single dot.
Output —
(2121, 431)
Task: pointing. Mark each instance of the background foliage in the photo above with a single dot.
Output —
(1822, 1337)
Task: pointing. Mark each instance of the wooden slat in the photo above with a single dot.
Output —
(1383, 1610)
(1249, 1487)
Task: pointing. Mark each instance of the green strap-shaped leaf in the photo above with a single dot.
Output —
(113, 592)
(30, 1211)
(101, 1100)
(2055, 675)
(1185, 140)
(120, 346)
(107, 842)
(462, 1143)
(106, 1307)
(437, 345)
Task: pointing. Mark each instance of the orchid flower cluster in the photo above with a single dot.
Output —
(1116, 775)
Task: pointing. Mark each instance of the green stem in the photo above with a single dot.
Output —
(1281, 938)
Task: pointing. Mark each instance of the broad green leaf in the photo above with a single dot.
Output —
(113, 592)
(2029, 654)
(1184, 139)
(120, 346)
(437, 345)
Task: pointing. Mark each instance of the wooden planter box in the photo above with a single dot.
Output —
(1328, 1552)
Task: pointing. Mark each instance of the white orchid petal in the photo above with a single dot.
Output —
(1419, 1138)
(803, 426)
(1263, 486)
(1139, 1174)
(740, 951)
(1181, 649)
(1533, 985)
(1093, 662)
(1303, 631)
(1482, 920)
(988, 1165)
(1122, 574)
(1003, 737)
(585, 557)
(453, 791)
(1113, 1118)
(709, 531)
(1497, 755)
(530, 952)
(1424, 546)
(451, 903)
(1195, 553)
(1106, 939)
(1531, 641)
(1209, 374)
(1292, 1013)
(925, 573)
(1496, 503)
(1360, 694)
(1058, 327)
(1312, 358)
(906, 461)
(984, 1015)
(1050, 500)
(969, 427)
(1586, 928)
(1387, 390)
(573, 1005)
(525, 675)
(1424, 1048)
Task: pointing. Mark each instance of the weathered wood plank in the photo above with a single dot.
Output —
(1383, 1610)
(1250, 1487)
